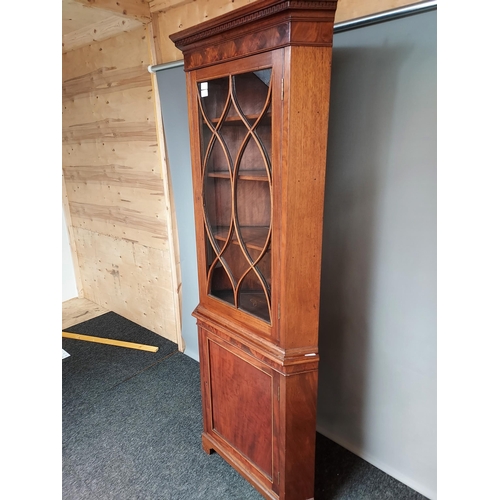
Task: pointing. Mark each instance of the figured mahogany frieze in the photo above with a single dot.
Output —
(251, 43)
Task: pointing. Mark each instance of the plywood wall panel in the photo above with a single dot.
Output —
(130, 208)
(128, 278)
(98, 30)
(132, 9)
(71, 237)
(115, 182)
(120, 222)
(123, 52)
(128, 182)
(110, 130)
(129, 104)
(352, 9)
(138, 157)
(105, 81)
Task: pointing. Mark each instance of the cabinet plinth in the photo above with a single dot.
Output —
(258, 81)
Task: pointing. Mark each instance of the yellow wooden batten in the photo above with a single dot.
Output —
(101, 340)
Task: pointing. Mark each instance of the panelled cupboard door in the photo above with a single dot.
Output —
(241, 408)
(236, 118)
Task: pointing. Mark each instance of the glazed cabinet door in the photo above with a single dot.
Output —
(236, 110)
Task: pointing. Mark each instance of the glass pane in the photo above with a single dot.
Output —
(215, 96)
(254, 293)
(235, 127)
(222, 282)
(251, 90)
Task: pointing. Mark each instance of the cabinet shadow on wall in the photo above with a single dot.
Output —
(363, 94)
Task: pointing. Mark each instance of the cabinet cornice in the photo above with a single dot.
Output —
(259, 27)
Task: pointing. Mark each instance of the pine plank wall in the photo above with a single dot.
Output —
(115, 183)
(116, 194)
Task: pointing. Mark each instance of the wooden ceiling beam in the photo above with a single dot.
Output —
(131, 9)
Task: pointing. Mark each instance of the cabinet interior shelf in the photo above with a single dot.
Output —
(245, 175)
(253, 301)
(237, 120)
(253, 236)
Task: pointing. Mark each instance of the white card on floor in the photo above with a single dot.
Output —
(64, 354)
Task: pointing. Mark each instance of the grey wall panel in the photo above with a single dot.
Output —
(377, 342)
(173, 101)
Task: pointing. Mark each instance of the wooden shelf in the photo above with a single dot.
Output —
(244, 175)
(237, 120)
(253, 302)
(254, 237)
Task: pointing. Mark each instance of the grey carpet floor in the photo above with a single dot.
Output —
(131, 426)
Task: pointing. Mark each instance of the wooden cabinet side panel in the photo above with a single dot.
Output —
(306, 103)
(298, 439)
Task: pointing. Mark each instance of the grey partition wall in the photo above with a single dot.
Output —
(173, 102)
(377, 339)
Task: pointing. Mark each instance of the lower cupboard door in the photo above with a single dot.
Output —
(242, 398)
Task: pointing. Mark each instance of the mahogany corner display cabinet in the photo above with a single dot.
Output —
(258, 89)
